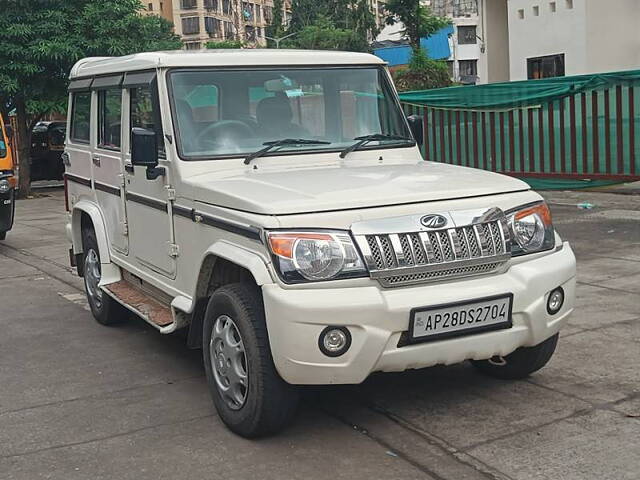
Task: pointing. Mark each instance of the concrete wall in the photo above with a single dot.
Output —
(496, 36)
(594, 35)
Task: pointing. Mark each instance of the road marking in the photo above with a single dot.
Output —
(77, 298)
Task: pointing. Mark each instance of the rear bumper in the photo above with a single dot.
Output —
(377, 318)
(7, 209)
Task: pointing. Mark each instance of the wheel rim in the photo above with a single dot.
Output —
(229, 362)
(92, 277)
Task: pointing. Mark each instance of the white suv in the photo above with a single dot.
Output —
(276, 204)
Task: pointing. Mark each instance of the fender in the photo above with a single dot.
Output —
(95, 214)
(242, 257)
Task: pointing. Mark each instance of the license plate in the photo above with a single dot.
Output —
(461, 318)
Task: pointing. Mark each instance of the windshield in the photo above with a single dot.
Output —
(234, 113)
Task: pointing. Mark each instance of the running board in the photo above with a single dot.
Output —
(155, 313)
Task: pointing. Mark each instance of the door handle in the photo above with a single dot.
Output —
(65, 159)
(96, 161)
(130, 169)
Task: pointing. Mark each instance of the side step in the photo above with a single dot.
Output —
(141, 303)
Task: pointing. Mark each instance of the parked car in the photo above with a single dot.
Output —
(277, 206)
(47, 145)
(8, 181)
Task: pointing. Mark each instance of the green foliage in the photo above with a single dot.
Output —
(423, 73)
(40, 40)
(418, 20)
(224, 44)
(323, 35)
(276, 28)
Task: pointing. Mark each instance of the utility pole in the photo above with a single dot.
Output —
(280, 39)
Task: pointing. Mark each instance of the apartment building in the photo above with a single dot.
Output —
(164, 8)
(549, 38)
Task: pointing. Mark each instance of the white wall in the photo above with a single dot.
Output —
(595, 35)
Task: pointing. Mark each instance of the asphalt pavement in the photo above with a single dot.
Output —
(83, 401)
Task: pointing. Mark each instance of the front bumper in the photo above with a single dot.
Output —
(377, 317)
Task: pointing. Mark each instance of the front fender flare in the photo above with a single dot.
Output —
(242, 257)
(97, 219)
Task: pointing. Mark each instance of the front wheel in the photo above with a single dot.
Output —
(3, 235)
(249, 395)
(520, 363)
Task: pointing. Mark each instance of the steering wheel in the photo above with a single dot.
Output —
(226, 133)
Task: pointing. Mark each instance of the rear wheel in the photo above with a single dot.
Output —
(520, 363)
(249, 395)
(104, 308)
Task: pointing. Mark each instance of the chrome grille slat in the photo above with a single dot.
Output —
(408, 257)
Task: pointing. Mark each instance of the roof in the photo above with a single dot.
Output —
(218, 58)
(399, 52)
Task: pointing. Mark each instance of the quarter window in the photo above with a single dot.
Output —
(144, 113)
(80, 117)
(109, 118)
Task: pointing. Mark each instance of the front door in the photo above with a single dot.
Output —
(150, 226)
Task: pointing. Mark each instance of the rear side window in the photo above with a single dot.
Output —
(145, 114)
(80, 117)
(109, 118)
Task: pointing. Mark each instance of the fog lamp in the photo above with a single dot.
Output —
(5, 186)
(555, 301)
(334, 341)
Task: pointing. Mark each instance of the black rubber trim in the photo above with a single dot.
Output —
(146, 201)
(103, 187)
(105, 82)
(81, 85)
(76, 179)
(410, 340)
(254, 233)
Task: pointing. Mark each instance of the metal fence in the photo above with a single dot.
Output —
(590, 135)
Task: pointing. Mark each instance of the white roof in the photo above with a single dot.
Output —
(218, 58)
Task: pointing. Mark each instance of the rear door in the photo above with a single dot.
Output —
(107, 160)
(150, 225)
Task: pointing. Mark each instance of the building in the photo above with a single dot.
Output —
(200, 21)
(570, 37)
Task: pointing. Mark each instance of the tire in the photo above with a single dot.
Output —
(521, 363)
(260, 403)
(3, 235)
(104, 308)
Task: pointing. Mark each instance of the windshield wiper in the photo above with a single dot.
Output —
(371, 138)
(279, 143)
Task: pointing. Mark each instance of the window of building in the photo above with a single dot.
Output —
(467, 34)
(468, 67)
(545, 67)
(247, 11)
(145, 114)
(211, 5)
(226, 7)
(552, 7)
(212, 26)
(80, 117)
(229, 30)
(536, 10)
(268, 14)
(150, 8)
(569, 4)
(192, 45)
(188, 4)
(109, 118)
(250, 33)
(190, 25)
(521, 14)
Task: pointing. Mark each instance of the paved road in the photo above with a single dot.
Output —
(81, 401)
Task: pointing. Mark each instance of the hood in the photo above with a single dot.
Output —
(292, 190)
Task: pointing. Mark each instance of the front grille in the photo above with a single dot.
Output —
(420, 256)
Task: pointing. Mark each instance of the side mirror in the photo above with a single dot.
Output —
(8, 129)
(417, 128)
(144, 151)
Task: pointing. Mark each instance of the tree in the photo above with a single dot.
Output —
(276, 28)
(323, 35)
(40, 40)
(423, 73)
(305, 13)
(418, 20)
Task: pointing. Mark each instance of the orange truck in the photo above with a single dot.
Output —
(8, 181)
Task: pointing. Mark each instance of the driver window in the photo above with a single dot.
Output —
(144, 114)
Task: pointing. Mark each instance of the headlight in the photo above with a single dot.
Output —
(5, 186)
(315, 256)
(531, 229)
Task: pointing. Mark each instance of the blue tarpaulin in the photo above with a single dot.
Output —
(437, 47)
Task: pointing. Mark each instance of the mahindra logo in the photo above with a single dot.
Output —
(433, 221)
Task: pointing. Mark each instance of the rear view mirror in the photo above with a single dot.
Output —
(417, 128)
(144, 151)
